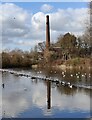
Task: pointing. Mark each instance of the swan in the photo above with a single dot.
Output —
(71, 75)
(70, 86)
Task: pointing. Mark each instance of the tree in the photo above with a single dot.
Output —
(41, 46)
(68, 44)
(5, 60)
(87, 36)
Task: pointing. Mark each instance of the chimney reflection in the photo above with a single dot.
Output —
(48, 94)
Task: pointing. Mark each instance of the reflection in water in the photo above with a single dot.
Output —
(66, 90)
(48, 94)
(41, 96)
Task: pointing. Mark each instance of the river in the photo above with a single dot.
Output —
(23, 97)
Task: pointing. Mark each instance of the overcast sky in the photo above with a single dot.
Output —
(23, 23)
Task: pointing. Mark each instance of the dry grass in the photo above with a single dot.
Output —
(79, 62)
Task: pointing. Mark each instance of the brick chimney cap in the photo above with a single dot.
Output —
(47, 15)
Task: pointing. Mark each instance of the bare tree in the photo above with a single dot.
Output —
(41, 46)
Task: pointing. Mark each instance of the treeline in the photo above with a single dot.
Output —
(18, 58)
(72, 46)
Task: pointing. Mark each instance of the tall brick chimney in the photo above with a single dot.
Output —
(47, 33)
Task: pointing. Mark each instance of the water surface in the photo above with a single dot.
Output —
(33, 98)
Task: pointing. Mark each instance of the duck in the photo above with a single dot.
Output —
(57, 82)
(33, 77)
(25, 89)
(3, 85)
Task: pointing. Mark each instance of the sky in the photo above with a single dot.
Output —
(23, 23)
(45, 0)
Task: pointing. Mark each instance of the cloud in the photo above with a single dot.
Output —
(27, 43)
(20, 25)
(62, 21)
(69, 20)
(46, 8)
(14, 19)
(14, 13)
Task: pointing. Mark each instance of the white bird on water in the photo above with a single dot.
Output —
(40, 72)
(55, 72)
(83, 75)
(77, 76)
(71, 75)
(63, 82)
(89, 75)
(70, 86)
(63, 75)
(68, 83)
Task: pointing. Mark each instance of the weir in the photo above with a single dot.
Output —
(58, 82)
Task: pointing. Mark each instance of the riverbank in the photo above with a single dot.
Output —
(75, 63)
